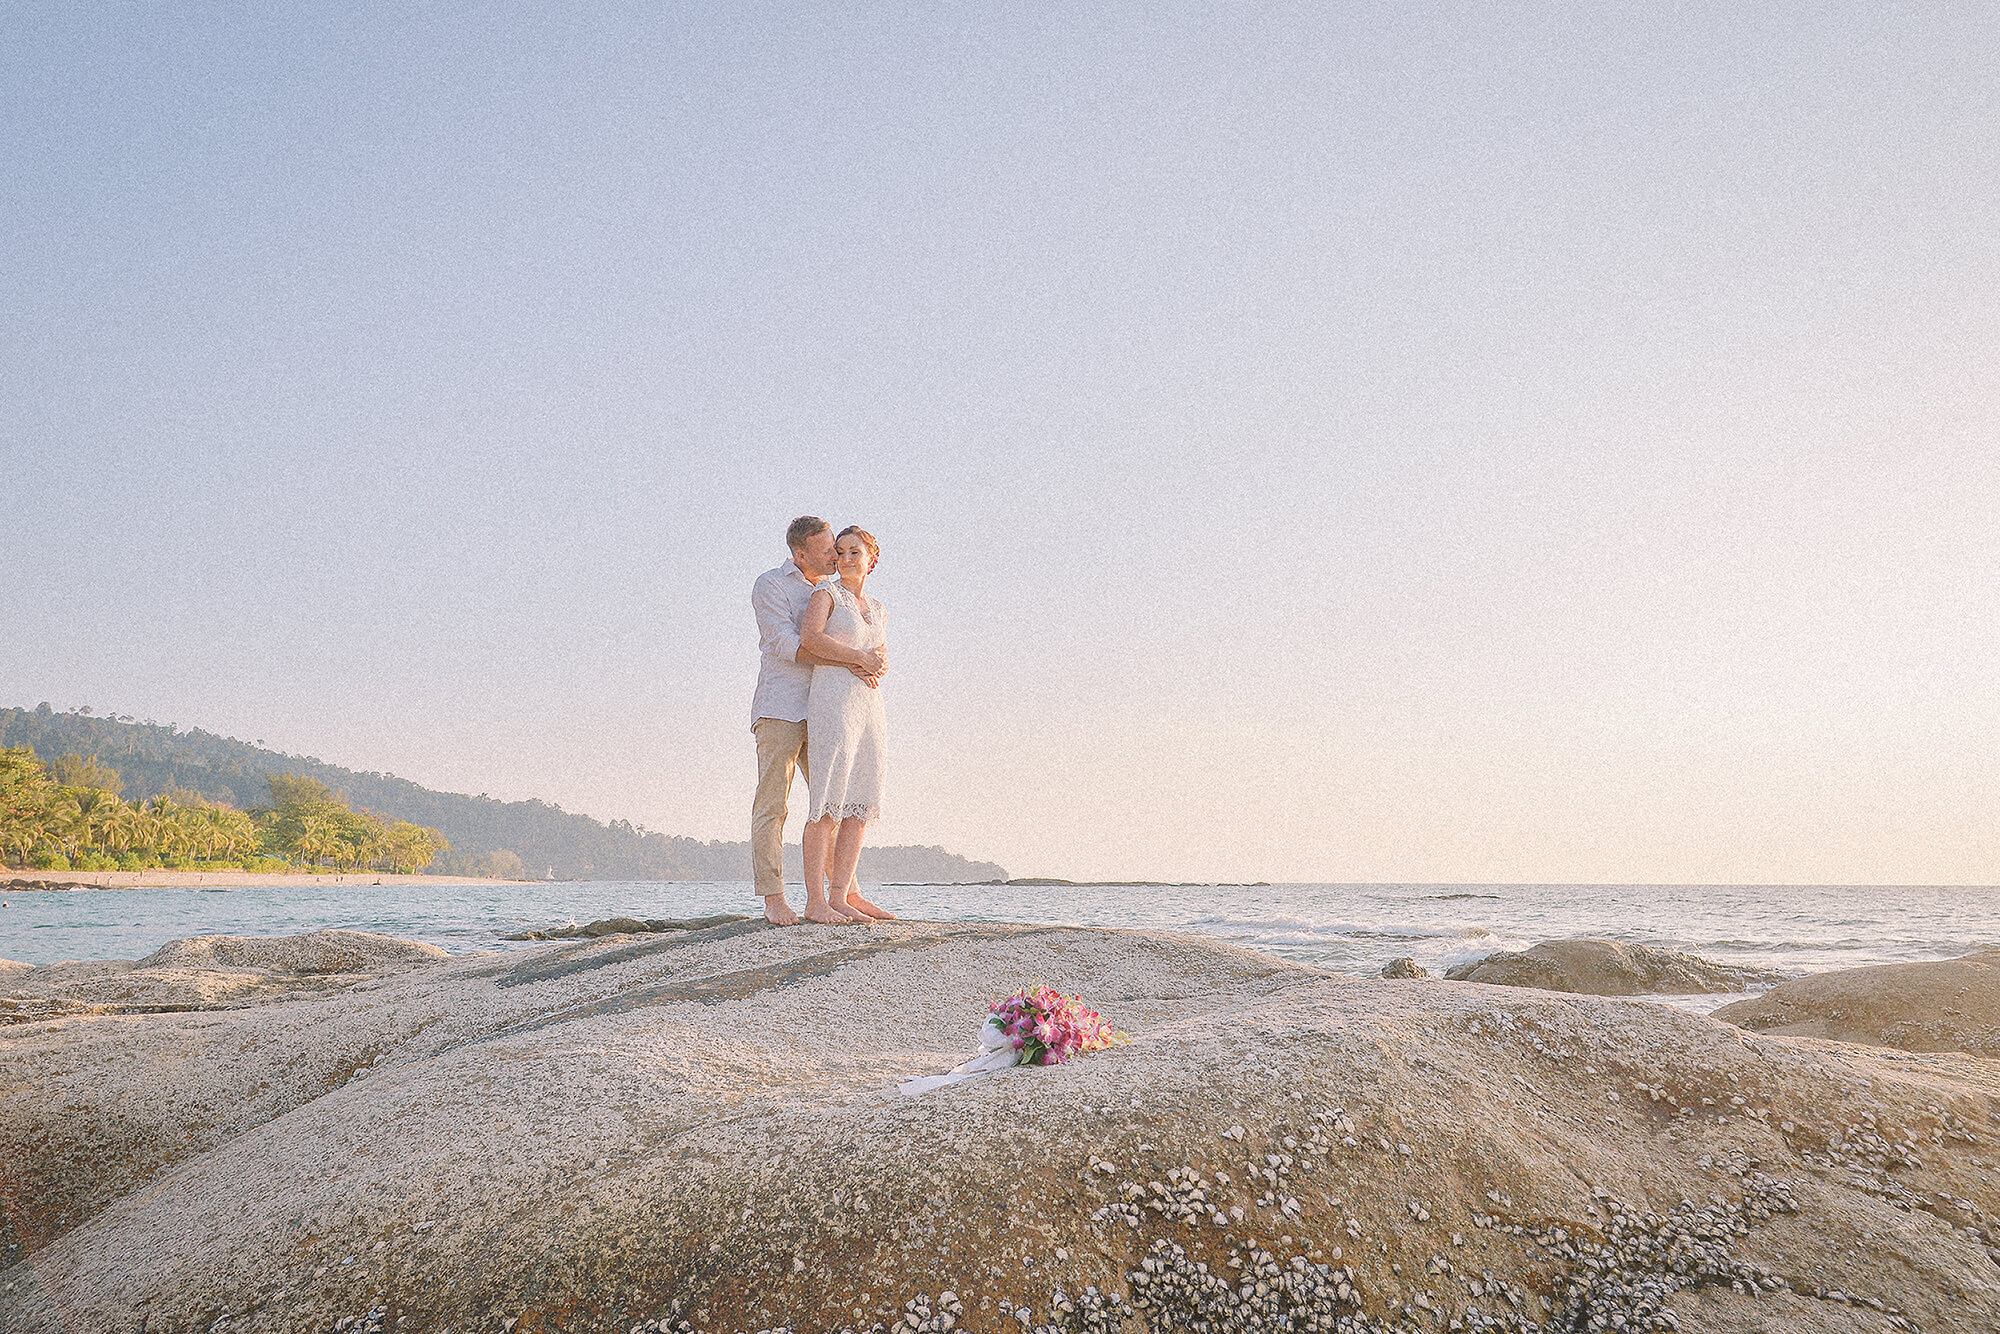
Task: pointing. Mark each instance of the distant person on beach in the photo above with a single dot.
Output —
(779, 720)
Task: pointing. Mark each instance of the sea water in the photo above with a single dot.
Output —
(1347, 928)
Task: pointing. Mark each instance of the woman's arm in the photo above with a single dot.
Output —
(814, 639)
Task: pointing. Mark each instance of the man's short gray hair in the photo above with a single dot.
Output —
(803, 527)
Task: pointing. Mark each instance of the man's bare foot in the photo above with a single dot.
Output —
(778, 912)
(854, 900)
(819, 910)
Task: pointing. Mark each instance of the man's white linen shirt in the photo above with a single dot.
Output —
(779, 598)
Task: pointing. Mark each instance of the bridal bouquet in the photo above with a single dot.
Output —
(1035, 1026)
(1047, 1027)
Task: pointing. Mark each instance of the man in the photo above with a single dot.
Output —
(778, 710)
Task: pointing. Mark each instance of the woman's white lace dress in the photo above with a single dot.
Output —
(847, 732)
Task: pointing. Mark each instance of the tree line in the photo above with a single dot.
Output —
(489, 837)
(68, 816)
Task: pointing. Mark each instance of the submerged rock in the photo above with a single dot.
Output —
(1608, 968)
(1953, 1005)
(1404, 968)
(701, 1131)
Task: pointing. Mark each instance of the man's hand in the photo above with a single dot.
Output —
(877, 660)
(873, 680)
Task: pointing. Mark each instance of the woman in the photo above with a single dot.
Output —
(846, 734)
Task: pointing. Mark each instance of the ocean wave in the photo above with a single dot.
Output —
(1276, 928)
(1366, 957)
(1362, 946)
(1888, 947)
(1439, 960)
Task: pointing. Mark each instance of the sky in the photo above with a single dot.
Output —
(1327, 443)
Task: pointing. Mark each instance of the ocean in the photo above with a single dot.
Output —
(1347, 928)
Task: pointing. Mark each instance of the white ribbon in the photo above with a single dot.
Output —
(997, 1052)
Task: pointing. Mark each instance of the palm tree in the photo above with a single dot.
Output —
(409, 848)
(64, 822)
(122, 827)
(95, 808)
(26, 830)
(194, 833)
(318, 839)
(169, 837)
(236, 834)
(366, 848)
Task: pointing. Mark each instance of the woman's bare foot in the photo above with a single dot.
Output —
(778, 912)
(846, 907)
(819, 910)
(854, 900)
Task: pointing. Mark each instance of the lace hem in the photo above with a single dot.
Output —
(853, 810)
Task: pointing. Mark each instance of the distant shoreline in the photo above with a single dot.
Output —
(225, 879)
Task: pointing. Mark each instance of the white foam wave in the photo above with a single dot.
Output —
(1293, 930)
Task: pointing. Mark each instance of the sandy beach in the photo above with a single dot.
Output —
(26, 880)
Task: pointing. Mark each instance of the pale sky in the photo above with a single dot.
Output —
(1314, 442)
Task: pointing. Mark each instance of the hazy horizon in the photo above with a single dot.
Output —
(792, 843)
(1307, 445)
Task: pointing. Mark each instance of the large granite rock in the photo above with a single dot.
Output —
(1949, 1006)
(318, 952)
(201, 972)
(704, 1127)
(1608, 968)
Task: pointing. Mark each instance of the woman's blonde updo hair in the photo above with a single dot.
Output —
(867, 540)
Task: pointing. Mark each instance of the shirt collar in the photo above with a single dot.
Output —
(792, 567)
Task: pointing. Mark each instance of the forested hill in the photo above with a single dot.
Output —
(152, 757)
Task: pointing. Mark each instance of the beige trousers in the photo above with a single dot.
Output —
(781, 751)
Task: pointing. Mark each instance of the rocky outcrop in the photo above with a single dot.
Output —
(202, 972)
(1953, 1005)
(1609, 968)
(627, 926)
(318, 952)
(1404, 968)
(702, 1131)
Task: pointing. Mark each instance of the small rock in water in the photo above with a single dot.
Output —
(1404, 967)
